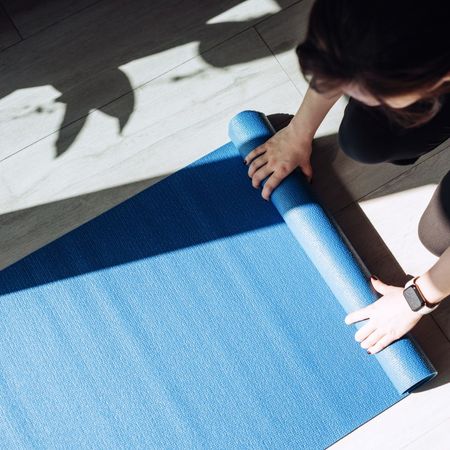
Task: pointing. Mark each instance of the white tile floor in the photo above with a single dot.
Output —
(101, 100)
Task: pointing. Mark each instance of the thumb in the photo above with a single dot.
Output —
(307, 169)
(379, 286)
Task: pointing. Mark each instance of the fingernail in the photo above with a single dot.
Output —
(374, 277)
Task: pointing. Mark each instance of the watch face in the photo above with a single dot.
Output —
(413, 298)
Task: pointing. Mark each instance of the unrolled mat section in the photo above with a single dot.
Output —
(404, 362)
(194, 315)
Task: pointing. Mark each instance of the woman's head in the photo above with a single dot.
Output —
(389, 53)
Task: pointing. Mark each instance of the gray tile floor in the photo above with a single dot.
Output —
(101, 98)
(9, 35)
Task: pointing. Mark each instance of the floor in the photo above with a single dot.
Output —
(101, 98)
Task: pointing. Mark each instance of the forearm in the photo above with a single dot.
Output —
(435, 282)
(311, 113)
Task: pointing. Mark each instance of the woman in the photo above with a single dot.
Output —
(392, 59)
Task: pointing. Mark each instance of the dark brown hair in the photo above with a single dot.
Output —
(386, 47)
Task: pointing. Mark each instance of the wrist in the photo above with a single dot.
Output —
(300, 134)
(429, 290)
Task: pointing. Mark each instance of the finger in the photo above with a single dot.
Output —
(365, 331)
(256, 164)
(307, 170)
(357, 316)
(372, 339)
(379, 286)
(381, 344)
(261, 175)
(271, 184)
(254, 153)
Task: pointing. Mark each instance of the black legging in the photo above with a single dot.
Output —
(368, 136)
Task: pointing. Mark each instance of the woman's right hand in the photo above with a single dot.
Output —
(277, 158)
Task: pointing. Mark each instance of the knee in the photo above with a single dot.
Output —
(358, 144)
(434, 225)
(427, 239)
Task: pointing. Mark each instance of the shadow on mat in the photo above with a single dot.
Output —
(134, 226)
(218, 173)
(132, 229)
(196, 205)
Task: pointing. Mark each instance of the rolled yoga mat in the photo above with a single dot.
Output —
(404, 362)
(190, 317)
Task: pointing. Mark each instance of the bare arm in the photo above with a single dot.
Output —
(311, 113)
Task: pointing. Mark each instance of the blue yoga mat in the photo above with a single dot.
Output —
(195, 315)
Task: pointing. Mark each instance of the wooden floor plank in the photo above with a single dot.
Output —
(62, 73)
(31, 16)
(437, 438)
(442, 317)
(283, 32)
(8, 33)
(339, 180)
(177, 118)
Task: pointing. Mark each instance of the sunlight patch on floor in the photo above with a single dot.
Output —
(142, 70)
(28, 109)
(396, 217)
(246, 11)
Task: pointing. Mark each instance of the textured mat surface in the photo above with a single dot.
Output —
(403, 361)
(190, 317)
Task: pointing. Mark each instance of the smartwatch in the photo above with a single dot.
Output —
(416, 300)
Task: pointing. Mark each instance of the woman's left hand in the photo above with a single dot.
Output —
(389, 318)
